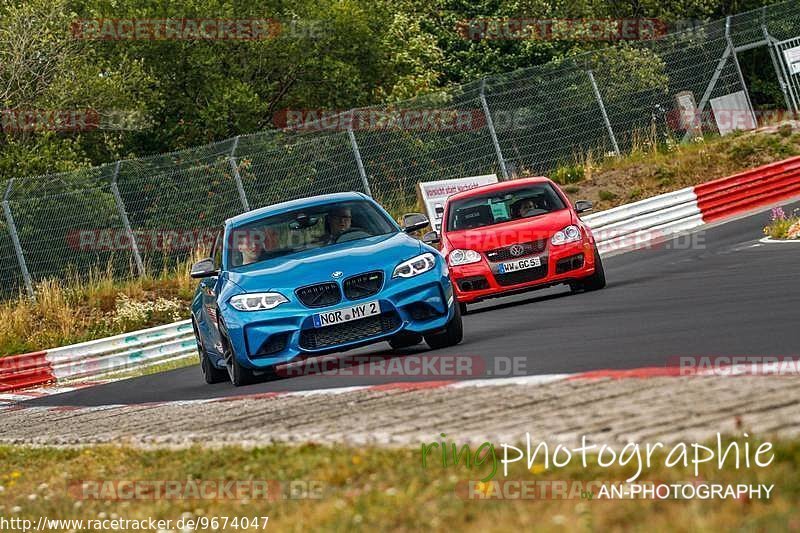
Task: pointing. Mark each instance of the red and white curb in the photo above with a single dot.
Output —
(13, 398)
(665, 216)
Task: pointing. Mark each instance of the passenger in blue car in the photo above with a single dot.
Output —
(254, 245)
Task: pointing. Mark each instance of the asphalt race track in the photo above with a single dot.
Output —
(716, 292)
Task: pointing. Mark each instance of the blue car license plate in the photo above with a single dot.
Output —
(347, 314)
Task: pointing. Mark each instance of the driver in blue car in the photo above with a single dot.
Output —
(338, 221)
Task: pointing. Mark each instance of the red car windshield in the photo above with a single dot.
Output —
(501, 206)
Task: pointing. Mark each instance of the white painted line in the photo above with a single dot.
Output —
(521, 380)
(770, 240)
(338, 390)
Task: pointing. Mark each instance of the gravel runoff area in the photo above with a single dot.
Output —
(606, 411)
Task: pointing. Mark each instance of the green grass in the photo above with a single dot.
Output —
(606, 196)
(375, 489)
(71, 311)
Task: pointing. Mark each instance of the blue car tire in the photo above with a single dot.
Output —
(238, 374)
(211, 374)
(452, 334)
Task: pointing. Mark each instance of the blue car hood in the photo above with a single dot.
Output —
(382, 252)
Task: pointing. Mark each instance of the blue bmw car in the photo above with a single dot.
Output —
(315, 276)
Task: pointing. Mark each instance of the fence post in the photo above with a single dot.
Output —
(739, 70)
(603, 110)
(710, 88)
(125, 222)
(492, 132)
(237, 178)
(357, 154)
(783, 76)
(775, 59)
(12, 229)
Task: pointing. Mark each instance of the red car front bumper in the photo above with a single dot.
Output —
(560, 264)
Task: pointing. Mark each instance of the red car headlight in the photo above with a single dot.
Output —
(566, 235)
(463, 257)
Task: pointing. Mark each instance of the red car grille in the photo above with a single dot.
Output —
(527, 248)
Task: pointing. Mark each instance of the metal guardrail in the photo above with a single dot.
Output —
(123, 352)
(632, 225)
(97, 358)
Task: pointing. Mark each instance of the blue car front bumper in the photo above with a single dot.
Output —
(261, 339)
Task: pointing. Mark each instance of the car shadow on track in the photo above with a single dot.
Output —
(528, 299)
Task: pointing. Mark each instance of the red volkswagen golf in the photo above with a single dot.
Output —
(516, 236)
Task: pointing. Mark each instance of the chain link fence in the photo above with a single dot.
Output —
(141, 215)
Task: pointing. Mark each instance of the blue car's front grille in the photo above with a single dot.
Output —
(363, 285)
(319, 295)
(318, 338)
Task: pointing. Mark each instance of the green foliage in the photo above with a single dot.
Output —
(332, 54)
(749, 149)
(606, 196)
(664, 175)
(565, 175)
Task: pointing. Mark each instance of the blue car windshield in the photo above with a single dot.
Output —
(305, 229)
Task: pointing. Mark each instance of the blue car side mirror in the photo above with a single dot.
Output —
(205, 268)
(414, 222)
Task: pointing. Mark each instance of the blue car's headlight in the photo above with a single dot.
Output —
(414, 266)
(257, 301)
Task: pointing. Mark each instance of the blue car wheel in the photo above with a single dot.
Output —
(211, 373)
(238, 375)
(451, 335)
